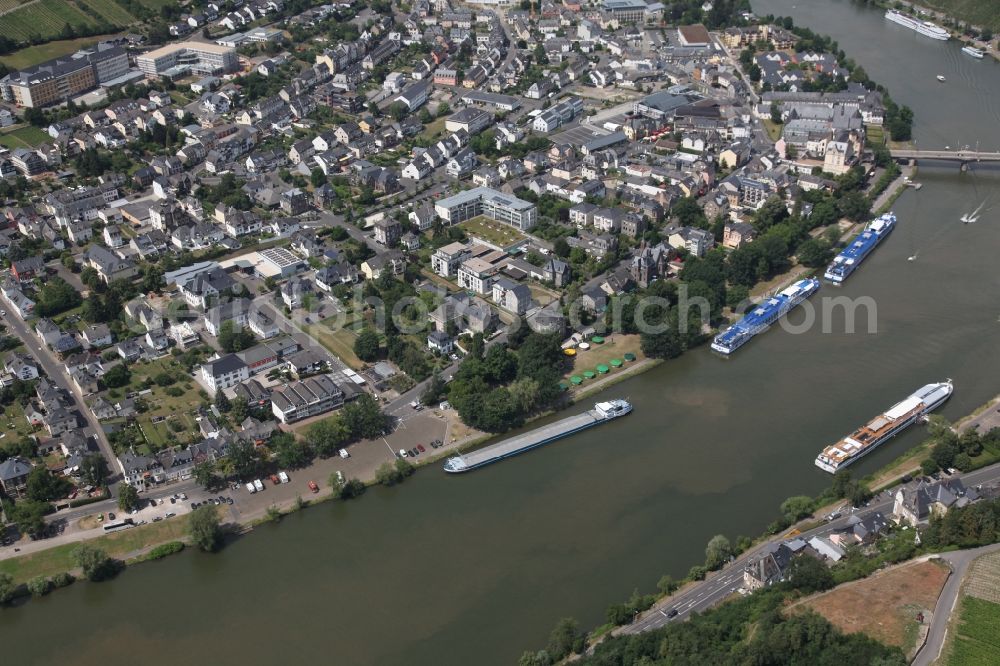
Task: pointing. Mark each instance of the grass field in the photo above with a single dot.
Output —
(118, 545)
(883, 606)
(773, 129)
(161, 405)
(339, 342)
(23, 137)
(614, 346)
(111, 11)
(45, 18)
(33, 55)
(14, 413)
(496, 233)
(978, 636)
(978, 12)
(10, 5)
(433, 128)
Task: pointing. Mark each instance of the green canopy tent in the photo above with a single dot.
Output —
(616, 363)
(576, 380)
(629, 356)
(603, 369)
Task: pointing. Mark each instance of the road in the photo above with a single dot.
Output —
(718, 586)
(57, 374)
(904, 176)
(959, 561)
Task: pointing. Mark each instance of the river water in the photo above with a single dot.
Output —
(474, 569)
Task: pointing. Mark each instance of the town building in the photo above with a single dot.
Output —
(491, 203)
(301, 399)
(62, 79)
(188, 57)
(225, 371)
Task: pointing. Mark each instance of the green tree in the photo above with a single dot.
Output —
(117, 376)
(327, 436)
(7, 587)
(244, 459)
(962, 462)
(808, 575)
(366, 345)
(290, 453)
(435, 389)
(28, 515)
(204, 528)
(94, 469)
(775, 113)
(565, 639)
(797, 507)
(205, 476)
(317, 177)
(398, 111)
(364, 418)
(39, 586)
(561, 247)
(387, 474)
(128, 497)
(43, 486)
(56, 296)
(814, 252)
(717, 552)
(540, 658)
(95, 562)
(667, 585)
(233, 339)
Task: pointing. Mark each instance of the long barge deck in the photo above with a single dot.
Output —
(530, 440)
(602, 412)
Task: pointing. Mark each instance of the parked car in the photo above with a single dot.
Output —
(258, 484)
(420, 447)
(313, 487)
(283, 477)
(344, 453)
(111, 516)
(275, 480)
(403, 453)
(252, 488)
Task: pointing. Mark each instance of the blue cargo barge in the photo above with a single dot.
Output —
(761, 317)
(851, 257)
(601, 413)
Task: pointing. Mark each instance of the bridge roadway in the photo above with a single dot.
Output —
(950, 155)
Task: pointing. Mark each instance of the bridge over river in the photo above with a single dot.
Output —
(963, 157)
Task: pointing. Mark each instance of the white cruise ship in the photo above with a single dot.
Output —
(925, 28)
(897, 418)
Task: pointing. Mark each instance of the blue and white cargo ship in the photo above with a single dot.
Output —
(761, 317)
(601, 413)
(851, 257)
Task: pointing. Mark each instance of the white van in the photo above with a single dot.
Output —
(251, 488)
(344, 453)
(283, 477)
(258, 484)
